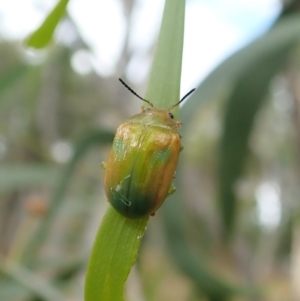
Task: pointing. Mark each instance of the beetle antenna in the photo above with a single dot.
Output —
(182, 99)
(134, 93)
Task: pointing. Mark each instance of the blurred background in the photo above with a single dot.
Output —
(232, 230)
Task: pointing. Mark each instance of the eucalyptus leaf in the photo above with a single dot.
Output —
(43, 35)
(113, 256)
(223, 77)
(238, 76)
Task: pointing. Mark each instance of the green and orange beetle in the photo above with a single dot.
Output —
(142, 162)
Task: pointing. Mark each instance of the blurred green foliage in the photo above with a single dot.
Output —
(208, 242)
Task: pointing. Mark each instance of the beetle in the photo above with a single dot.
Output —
(142, 162)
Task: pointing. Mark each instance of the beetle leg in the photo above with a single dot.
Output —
(174, 175)
(103, 165)
(181, 148)
(171, 190)
(153, 214)
(143, 109)
(178, 124)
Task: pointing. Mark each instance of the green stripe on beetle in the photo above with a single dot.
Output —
(118, 148)
(160, 156)
(143, 160)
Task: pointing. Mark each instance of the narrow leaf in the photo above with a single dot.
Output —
(118, 239)
(164, 81)
(43, 35)
(219, 81)
(242, 105)
(276, 44)
(114, 252)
